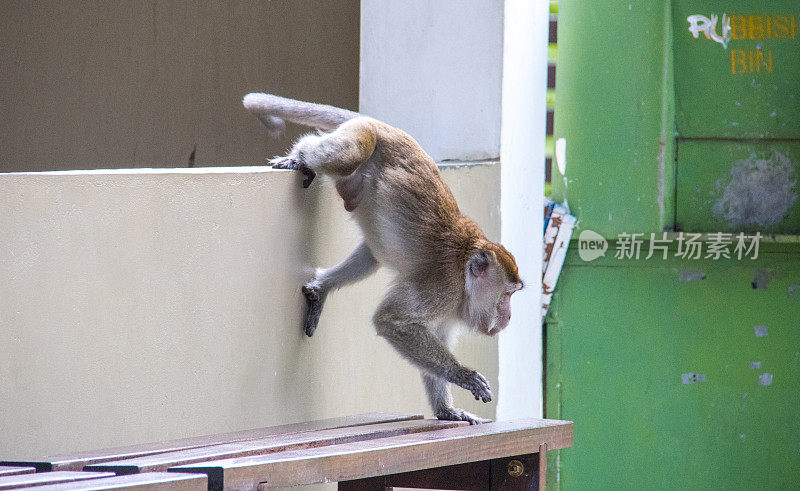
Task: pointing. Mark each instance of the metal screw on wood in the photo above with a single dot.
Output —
(515, 468)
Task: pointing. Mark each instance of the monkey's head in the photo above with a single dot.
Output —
(491, 278)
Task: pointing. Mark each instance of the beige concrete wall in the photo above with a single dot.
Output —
(145, 305)
(98, 84)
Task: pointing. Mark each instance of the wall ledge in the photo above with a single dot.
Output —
(250, 169)
(456, 164)
(246, 169)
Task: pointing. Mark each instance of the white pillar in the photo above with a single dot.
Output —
(433, 68)
(522, 182)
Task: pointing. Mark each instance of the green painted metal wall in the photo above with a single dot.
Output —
(621, 338)
(663, 363)
(615, 110)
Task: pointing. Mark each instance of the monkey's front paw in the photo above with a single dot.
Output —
(315, 299)
(455, 414)
(475, 383)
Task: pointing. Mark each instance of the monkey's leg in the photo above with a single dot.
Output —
(337, 154)
(359, 264)
(438, 390)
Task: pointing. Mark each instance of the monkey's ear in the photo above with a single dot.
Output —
(478, 264)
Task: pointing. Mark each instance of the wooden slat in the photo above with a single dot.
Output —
(543, 466)
(9, 470)
(386, 455)
(41, 478)
(279, 443)
(151, 481)
(77, 460)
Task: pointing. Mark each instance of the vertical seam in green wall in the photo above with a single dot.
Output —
(675, 188)
(668, 179)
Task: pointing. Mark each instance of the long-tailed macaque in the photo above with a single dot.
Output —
(447, 271)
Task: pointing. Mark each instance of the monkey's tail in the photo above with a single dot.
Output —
(273, 111)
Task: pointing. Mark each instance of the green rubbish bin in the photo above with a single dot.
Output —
(677, 351)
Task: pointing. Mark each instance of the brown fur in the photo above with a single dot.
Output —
(446, 269)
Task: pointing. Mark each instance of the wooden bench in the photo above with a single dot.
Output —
(365, 452)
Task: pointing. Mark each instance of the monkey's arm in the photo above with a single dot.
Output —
(438, 390)
(396, 322)
(416, 343)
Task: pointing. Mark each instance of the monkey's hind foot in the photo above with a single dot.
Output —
(455, 414)
(294, 164)
(315, 299)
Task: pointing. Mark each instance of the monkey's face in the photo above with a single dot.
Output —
(489, 291)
